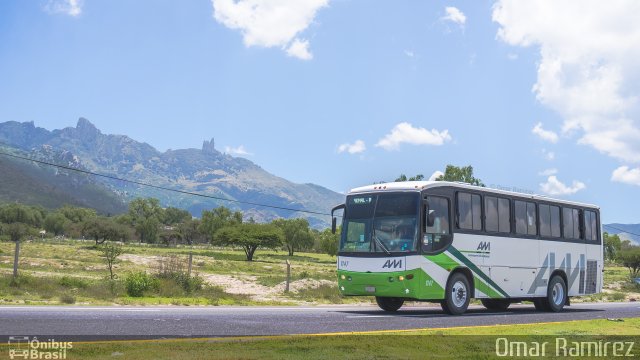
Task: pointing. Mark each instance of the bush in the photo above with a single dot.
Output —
(630, 258)
(140, 282)
(72, 282)
(67, 299)
(618, 296)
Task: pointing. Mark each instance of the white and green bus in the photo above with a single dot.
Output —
(448, 242)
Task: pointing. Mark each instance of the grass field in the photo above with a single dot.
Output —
(454, 343)
(73, 272)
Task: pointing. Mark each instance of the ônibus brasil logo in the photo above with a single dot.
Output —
(25, 347)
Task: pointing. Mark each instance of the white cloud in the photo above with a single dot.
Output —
(409, 53)
(436, 174)
(355, 148)
(588, 70)
(548, 172)
(406, 133)
(546, 135)
(68, 7)
(454, 15)
(626, 175)
(549, 155)
(270, 23)
(553, 186)
(239, 151)
(300, 49)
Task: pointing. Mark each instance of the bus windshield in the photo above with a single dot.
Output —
(384, 223)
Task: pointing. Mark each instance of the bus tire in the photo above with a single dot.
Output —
(496, 304)
(389, 304)
(457, 295)
(556, 294)
(541, 304)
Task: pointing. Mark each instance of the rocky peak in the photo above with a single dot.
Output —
(86, 129)
(208, 147)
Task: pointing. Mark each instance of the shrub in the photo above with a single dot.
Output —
(303, 275)
(71, 282)
(140, 282)
(67, 299)
(618, 296)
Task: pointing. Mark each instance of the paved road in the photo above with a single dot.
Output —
(139, 322)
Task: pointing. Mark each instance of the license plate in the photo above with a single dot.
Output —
(370, 289)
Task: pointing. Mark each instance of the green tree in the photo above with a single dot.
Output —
(18, 213)
(630, 258)
(110, 253)
(16, 231)
(189, 230)
(172, 216)
(145, 216)
(462, 174)
(249, 237)
(55, 223)
(403, 177)
(612, 246)
(77, 214)
(102, 229)
(329, 241)
(216, 219)
(297, 235)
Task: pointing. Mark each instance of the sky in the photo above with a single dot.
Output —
(541, 96)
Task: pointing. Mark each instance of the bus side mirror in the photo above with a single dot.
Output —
(333, 218)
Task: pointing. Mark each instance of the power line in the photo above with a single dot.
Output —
(162, 187)
(624, 231)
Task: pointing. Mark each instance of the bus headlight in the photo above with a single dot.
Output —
(342, 277)
(401, 278)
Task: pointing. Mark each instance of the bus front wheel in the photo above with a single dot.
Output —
(457, 295)
(390, 304)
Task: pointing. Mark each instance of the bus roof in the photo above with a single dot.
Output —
(423, 185)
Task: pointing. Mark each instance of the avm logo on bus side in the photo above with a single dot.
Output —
(484, 246)
(392, 264)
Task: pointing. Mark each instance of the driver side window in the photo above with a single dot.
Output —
(437, 224)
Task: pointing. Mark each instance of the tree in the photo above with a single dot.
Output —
(55, 223)
(169, 235)
(249, 237)
(297, 235)
(172, 216)
(110, 252)
(18, 213)
(612, 246)
(77, 214)
(189, 230)
(216, 219)
(145, 215)
(329, 241)
(630, 258)
(463, 174)
(403, 177)
(102, 229)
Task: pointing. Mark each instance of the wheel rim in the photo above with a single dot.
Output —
(558, 294)
(459, 294)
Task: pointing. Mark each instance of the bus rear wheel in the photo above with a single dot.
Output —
(457, 295)
(496, 304)
(556, 296)
(389, 304)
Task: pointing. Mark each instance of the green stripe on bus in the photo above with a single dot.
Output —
(486, 289)
(443, 260)
(475, 269)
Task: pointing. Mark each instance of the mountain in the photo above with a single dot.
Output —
(625, 231)
(206, 171)
(32, 184)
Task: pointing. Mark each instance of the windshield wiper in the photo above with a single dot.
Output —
(379, 242)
